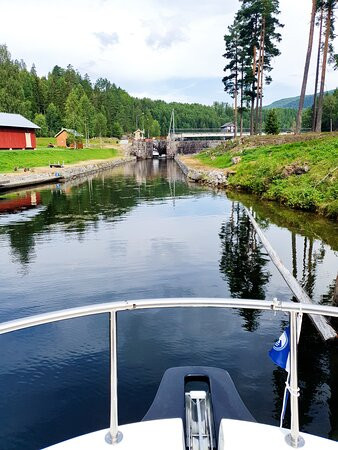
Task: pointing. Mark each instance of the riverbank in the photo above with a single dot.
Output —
(40, 175)
(301, 174)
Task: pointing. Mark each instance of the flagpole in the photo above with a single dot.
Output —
(285, 400)
(293, 438)
(287, 368)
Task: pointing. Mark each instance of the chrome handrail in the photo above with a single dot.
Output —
(114, 436)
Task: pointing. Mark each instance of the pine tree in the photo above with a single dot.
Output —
(320, 6)
(272, 122)
(329, 36)
(258, 24)
(307, 66)
(233, 56)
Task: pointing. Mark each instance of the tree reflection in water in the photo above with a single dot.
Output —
(77, 206)
(243, 262)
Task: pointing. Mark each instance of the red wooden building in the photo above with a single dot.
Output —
(16, 132)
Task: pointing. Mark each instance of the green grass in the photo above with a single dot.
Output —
(9, 159)
(104, 142)
(44, 141)
(93, 142)
(261, 171)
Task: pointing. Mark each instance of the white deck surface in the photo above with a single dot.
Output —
(169, 435)
(240, 435)
(152, 435)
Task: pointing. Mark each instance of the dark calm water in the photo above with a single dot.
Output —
(141, 231)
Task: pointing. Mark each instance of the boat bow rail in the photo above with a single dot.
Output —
(114, 436)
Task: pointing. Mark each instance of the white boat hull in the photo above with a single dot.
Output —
(168, 434)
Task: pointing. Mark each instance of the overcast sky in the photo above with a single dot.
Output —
(167, 49)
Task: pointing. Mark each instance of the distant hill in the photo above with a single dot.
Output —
(292, 102)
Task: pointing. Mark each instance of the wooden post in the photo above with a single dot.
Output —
(335, 293)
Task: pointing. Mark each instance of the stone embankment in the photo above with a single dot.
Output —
(43, 175)
(216, 178)
(73, 172)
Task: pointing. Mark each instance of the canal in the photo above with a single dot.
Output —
(141, 231)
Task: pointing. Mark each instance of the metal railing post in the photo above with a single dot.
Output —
(114, 436)
(293, 438)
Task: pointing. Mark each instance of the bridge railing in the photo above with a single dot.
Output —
(218, 130)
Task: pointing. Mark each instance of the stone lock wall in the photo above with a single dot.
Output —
(144, 149)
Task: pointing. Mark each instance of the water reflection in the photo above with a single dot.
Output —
(314, 264)
(78, 205)
(243, 262)
(142, 231)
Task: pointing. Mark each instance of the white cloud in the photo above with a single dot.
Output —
(107, 39)
(137, 44)
(164, 34)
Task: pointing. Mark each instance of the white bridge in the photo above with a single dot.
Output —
(202, 134)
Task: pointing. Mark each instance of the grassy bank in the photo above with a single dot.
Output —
(93, 142)
(11, 159)
(300, 175)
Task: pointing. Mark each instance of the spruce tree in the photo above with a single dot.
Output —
(272, 122)
(117, 130)
(53, 119)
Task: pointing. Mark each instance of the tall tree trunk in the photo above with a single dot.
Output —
(235, 112)
(262, 82)
(306, 68)
(261, 105)
(241, 124)
(236, 94)
(241, 113)
(253, 92)
(314, 112)
(322, 82)
(259, 68)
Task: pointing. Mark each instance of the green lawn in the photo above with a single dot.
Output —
(262, 171)
(10, 159)
(93, 142)
(44, 141)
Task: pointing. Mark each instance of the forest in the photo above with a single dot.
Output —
(65, 98)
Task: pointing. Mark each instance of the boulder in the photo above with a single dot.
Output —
(236, 159)
(295, 169)
(194, 175)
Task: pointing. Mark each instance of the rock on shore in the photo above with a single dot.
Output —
(217, 178)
